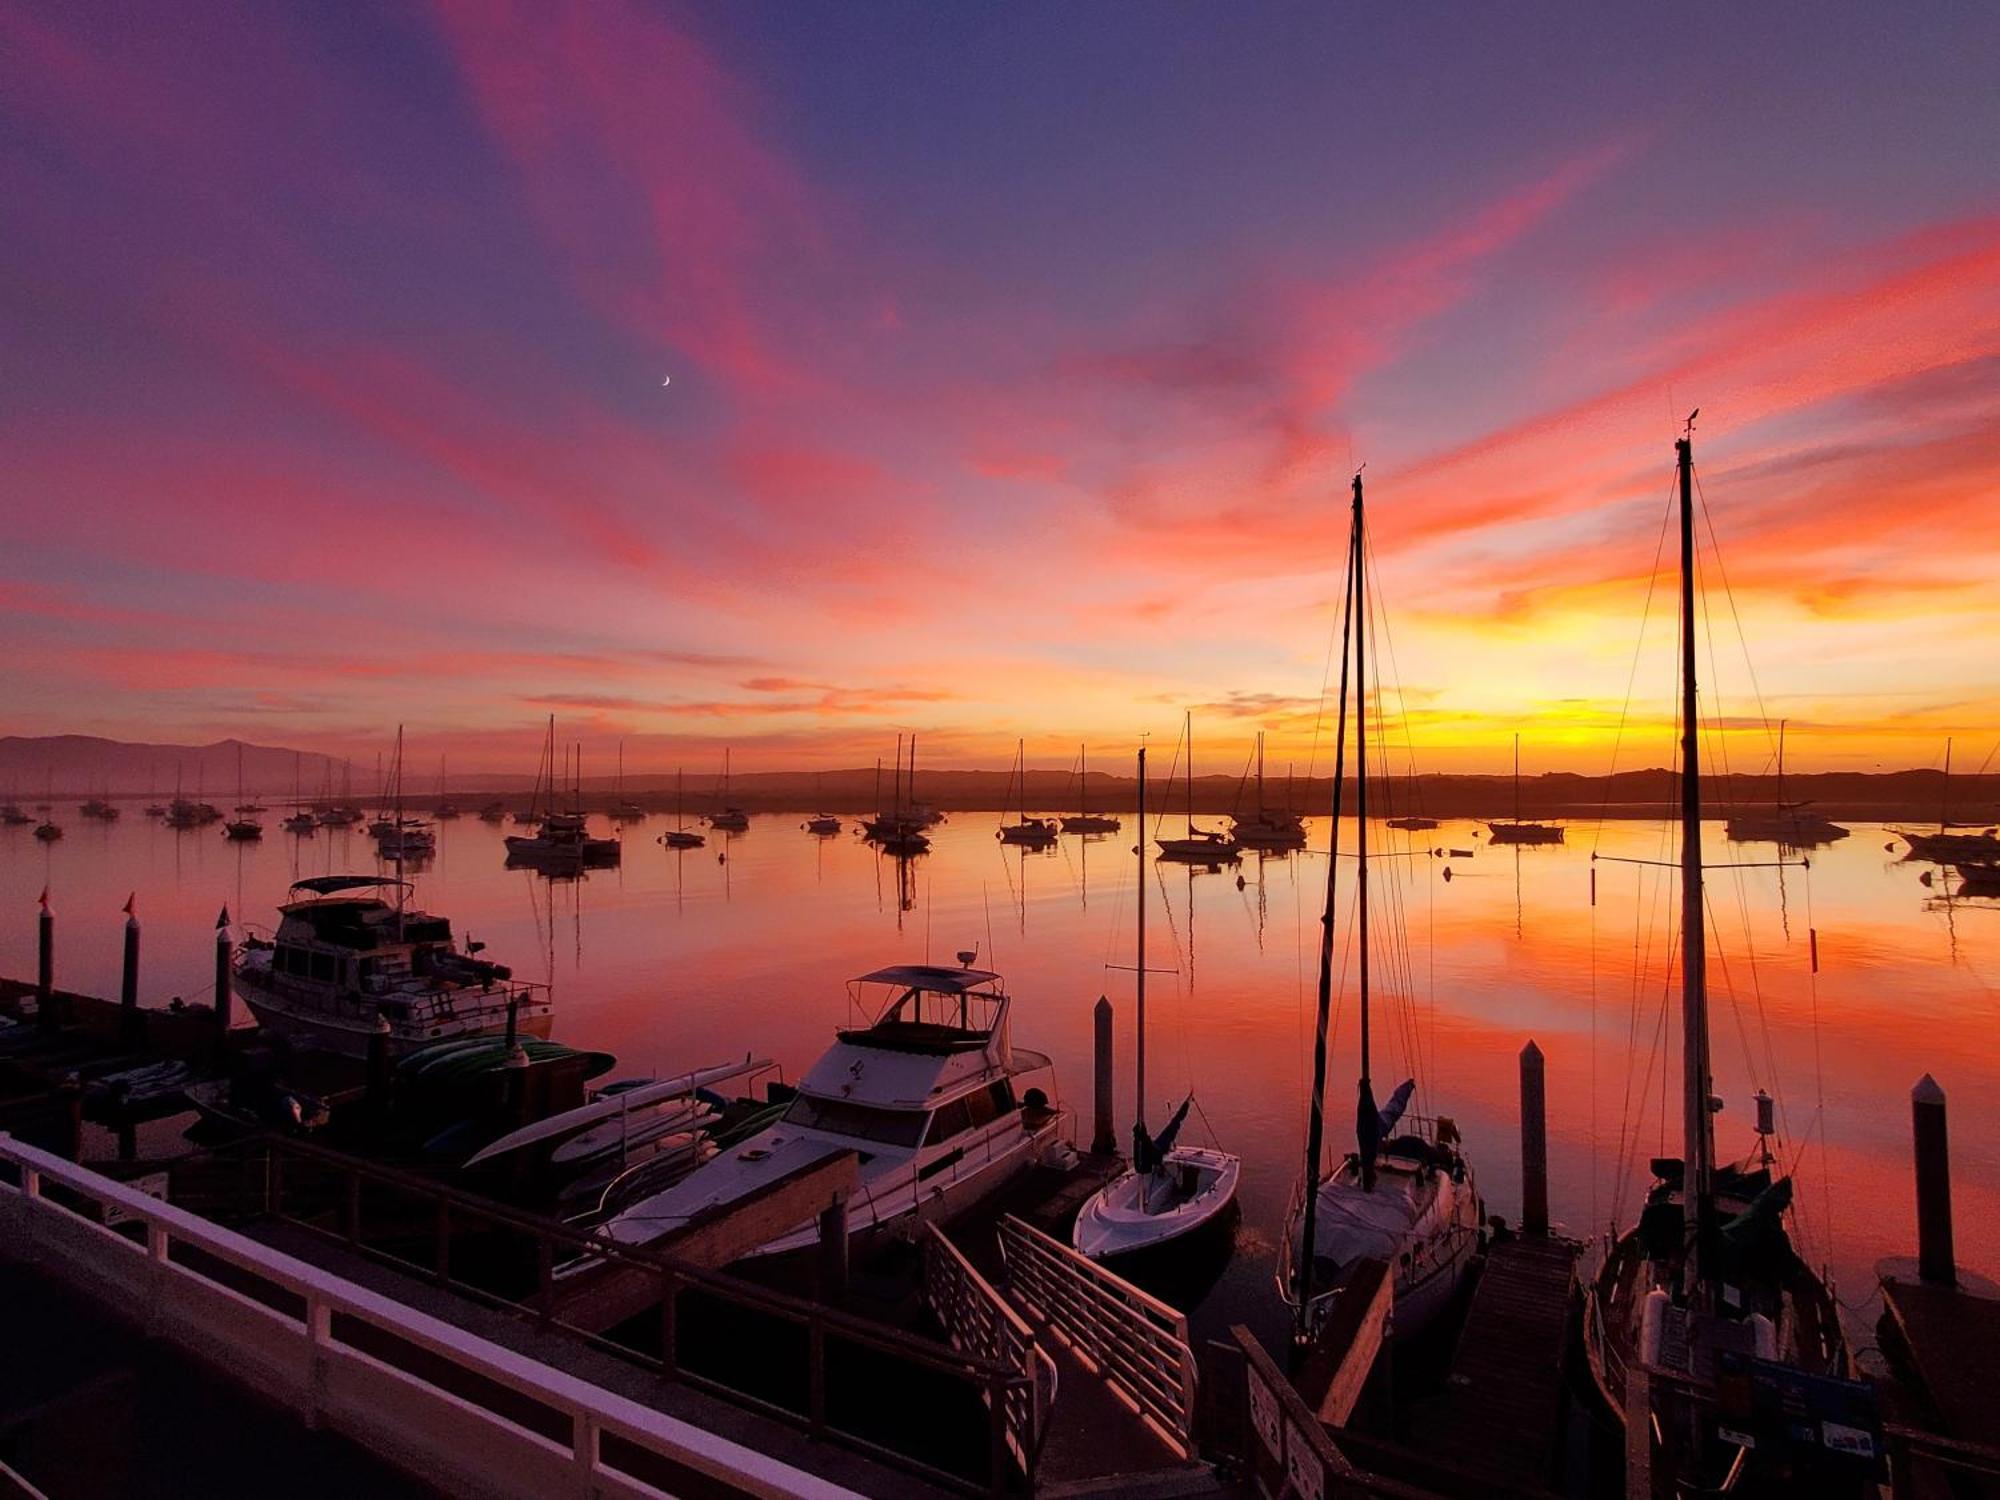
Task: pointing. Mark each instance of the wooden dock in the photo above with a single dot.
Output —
(1504, 1401)
(1945, 1342)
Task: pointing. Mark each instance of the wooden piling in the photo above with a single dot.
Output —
(1104, 1137)
(379, 1070)
(131, 1027)
(223, 970)
(1935, 1262)
(833, 1251)
(71, 1092)
(1534, 1143)
(45, 966)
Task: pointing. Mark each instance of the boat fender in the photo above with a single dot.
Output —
(1653, 1325)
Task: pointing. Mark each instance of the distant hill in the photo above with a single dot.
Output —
(83, 765)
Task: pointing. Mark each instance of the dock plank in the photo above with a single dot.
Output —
(1504, 1398)
(1953, 1341)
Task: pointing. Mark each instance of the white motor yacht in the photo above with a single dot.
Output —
(933, 1095)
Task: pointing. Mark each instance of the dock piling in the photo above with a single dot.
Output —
(833, 1251)
(132, 1029)
(45, 966)
(1935, 1262)
(1104, 1137)
(379, 1071)
(223, 951)
(1534, 1143)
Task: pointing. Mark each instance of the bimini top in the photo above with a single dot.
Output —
(935, 978)
(327, 885)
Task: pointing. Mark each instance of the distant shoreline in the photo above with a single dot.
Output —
(1912, 797)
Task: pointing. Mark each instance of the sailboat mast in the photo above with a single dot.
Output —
(1139, 1103)
(1944, 790)
(1517, 778)
(1190, 772)
(1781, 764)
(1697, 1170)
(1365, 1099)
(1316, 1119)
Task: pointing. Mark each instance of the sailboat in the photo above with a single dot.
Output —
(1794, 825)
(1519, 832)
(623, 808)
(562, 842)
(1417, 821)
(444, 812)
(1945, 846)
(1707, 1279)
(1199, 846)
(398, 837)
(899, 830)
(1410, 1199)
(680, 836)
(728, 818)
(1030, 833)
(1084, 820)
(244, 827)
(822, 824)
(1171, 1191)
(299, 821)
(1269, 827)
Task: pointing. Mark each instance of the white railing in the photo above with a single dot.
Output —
(1136, 1342)
(977, 1321)
(462, 1412)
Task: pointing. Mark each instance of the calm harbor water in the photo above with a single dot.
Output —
(678, 960)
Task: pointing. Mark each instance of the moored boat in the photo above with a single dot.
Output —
(933, 1095)
(345, 963)
(1523, 830)
(1197, 846)
(1707, 1282)
(1171, 1193)
(1409, 1199)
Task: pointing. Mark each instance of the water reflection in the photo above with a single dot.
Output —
(676, 958)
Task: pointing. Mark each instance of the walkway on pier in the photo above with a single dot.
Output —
(89, 1405)
(1502, 1407)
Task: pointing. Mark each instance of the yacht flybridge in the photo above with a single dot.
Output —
(345, 959)
(932, 1093)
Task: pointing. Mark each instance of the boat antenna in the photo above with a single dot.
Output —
(1697, 1170)
(1316, 1120)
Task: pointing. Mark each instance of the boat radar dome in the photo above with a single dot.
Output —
(966, 956)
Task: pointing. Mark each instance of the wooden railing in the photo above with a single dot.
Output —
(977, 1320)
(1137, 1343)
(419, 1390)
(507, 1258)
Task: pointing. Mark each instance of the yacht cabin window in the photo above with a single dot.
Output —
(866, 1122)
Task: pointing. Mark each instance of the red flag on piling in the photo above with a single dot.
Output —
(223, 920)
(45, 898)
(129, 902)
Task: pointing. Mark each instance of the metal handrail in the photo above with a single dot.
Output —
(1131, 1338)
(976, 1316)
(590, 1411)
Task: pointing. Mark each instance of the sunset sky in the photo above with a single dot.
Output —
(1019, 358)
